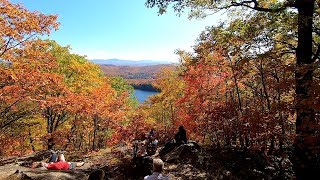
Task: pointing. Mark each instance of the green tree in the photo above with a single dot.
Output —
(121, 86)
(79, 74)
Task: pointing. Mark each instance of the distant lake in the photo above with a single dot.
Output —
(142, 95)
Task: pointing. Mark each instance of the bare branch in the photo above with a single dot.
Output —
(8, 48)
(258, 8)
(17, 117)
(5, 46)
(8, 108)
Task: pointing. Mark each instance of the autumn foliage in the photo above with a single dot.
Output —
(51, 98)
(238, 89)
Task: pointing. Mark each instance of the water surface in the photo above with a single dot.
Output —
(142, 95)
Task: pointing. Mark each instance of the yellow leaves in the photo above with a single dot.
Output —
(80, 75)
(150, 122)
(267, 3)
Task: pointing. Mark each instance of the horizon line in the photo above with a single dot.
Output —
(99, 59)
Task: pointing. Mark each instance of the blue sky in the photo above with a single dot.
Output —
(123, 29)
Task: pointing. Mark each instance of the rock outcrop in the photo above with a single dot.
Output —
(172, 151)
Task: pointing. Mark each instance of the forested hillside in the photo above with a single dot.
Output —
(121, 62)
(141, 77)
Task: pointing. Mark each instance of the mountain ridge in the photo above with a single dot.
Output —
(120, 62)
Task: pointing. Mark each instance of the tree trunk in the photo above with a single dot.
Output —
(306, 151)
(95, 132)
(272, 145)
(263, 82)
(31, 141)
(282, 123)
(50, 143)
(50, 122)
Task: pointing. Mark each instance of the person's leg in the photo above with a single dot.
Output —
(61, 158)
(54, 157)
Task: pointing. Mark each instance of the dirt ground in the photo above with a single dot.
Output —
(118, 165)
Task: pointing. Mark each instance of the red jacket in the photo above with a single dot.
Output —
(59, 166)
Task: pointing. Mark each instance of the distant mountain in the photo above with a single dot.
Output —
(119, 62)
(141, 77)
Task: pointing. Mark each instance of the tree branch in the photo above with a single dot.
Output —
(8, 108)
(5, 46)
(257, 8)
(8, 48)
(13, 119)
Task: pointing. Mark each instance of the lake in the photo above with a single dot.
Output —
(142, 95)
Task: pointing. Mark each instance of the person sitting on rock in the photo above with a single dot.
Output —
(181, 136)
(151, 134)
(151, 142)
(157, 167)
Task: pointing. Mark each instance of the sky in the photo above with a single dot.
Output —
(122, 29)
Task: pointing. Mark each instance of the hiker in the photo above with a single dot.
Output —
(139, 148)
(141, 160)
(151, 142)
(157, 167)
(58, 162)
(181, 136)
(152, 133)
(62, 164)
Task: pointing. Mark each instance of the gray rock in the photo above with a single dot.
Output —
(173, 152)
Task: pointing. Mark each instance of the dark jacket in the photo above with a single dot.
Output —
(181, 136)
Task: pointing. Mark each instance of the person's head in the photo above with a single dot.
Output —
(143, 135)
(158, 165)
(61, 158)
(181, 128)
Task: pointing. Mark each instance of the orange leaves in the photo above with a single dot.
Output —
(26, 83)
(18, 25)
(46, 80)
